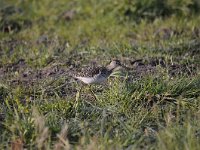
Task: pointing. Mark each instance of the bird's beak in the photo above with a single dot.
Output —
(120, 67)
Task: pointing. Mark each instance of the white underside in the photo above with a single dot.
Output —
(92, 80)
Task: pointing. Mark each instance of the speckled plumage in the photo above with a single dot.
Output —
(92, 75)
(91, 71)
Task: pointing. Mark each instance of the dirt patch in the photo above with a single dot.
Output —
(178, 69)
(31, 76)
(12, 25)
(138, 68)
(20, 73)
(56, 78)
(13, 67)
(142, 67)
(9, 26)
(196, 32)
(7, 47)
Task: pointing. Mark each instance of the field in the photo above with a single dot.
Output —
(153, 103)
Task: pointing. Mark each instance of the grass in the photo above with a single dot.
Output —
(152, 105)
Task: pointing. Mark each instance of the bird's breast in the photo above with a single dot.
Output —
(92, 80)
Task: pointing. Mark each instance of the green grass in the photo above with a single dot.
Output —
(153, 105)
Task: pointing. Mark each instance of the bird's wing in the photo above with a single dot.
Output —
(90, 72)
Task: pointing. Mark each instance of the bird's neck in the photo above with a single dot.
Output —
(110, 67)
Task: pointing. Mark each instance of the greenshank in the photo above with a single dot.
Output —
(96, 75)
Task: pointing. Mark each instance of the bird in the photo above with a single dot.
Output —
(97, 75)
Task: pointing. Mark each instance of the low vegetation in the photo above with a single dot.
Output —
(153, 104)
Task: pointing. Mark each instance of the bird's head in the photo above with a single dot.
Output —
(114, 64)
